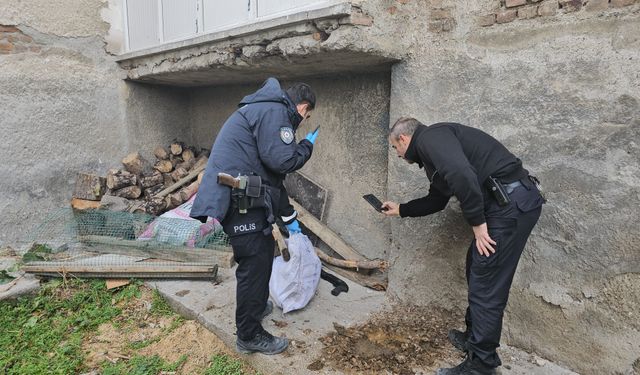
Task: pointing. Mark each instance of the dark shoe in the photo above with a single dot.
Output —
(264, 343)
(471, 366)
(267, 310)
(458, 339)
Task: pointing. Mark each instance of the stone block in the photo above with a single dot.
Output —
(621, 3)
(548, 8)
(487, 20)
(528, 12)
(571, 5)
(514, 3)
(596, 5)
(506, 16)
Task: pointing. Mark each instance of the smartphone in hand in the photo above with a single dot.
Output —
(373, 201)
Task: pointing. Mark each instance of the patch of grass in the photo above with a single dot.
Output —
(37, 252)
(5, 277)
(44, 334)
(159, 305)
(224, 365)
(141, 365)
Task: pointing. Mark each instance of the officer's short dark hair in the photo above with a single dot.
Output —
(301, 92)
(404, 125)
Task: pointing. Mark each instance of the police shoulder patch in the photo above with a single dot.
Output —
(286, 134)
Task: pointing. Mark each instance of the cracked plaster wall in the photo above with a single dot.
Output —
(66, 109)
(563, 93)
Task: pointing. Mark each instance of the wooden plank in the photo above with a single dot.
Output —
(327, 236)
(116, 283)
(83, 204)
(147, 270)
(110, 245)
(376, 281)
(193, 174)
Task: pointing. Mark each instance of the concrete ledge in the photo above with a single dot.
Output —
(339, 10)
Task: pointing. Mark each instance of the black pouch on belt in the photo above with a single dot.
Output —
(498, 191)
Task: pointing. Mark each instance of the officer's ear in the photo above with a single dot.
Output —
(303, 109)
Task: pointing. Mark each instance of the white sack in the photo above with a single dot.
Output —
(294, 283)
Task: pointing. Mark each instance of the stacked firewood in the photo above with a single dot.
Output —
(151, 188)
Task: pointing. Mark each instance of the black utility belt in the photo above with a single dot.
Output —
(500, 191)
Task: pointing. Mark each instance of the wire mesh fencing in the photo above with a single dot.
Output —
(103, 243)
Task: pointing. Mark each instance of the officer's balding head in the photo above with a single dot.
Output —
(401, 133)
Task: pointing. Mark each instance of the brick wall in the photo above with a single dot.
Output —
(12, 40)
(511, 10)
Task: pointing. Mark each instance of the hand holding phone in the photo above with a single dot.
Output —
(374, 202)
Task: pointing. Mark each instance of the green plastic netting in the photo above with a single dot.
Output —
(107, 238)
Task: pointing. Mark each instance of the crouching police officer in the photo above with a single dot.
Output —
(257, 143)
(499, 200)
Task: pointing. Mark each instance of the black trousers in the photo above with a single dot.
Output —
(254, 254)
(489, 278)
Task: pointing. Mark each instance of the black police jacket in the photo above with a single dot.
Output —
(258, 138)
(458, 159)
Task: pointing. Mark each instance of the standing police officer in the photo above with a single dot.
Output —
(499, 200)
(257, 141)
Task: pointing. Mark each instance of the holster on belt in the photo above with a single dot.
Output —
(249, 192)
(497, 191)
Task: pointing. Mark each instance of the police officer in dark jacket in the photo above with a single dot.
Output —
(257, 141)
(499, 200)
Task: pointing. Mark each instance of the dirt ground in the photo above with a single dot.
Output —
(170, 337)
(406, 340)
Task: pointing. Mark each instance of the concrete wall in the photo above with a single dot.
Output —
(350, 155)
(562, 91)
(65, 109)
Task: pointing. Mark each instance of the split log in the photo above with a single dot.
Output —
(201, 161)
(357, 264)
(200, 177)
(175, 199)
(151, 191)
(167, 180)
(89, 187)
(163, 166)
(161, 153)
(179, 173)
(155, 206)
(177, 148)
(152, 180)
(186, 165)
(117, 179)
(117, 204)
(175, 160)
(136, 164)
(187, 192)
(129, 192)
(188, 154)
(193, 174)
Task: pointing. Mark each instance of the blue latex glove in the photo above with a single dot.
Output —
(294, 227)
(311, 137)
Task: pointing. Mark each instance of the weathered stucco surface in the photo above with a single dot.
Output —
(559, 86)
(66, 109)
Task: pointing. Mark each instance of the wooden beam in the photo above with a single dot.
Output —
(356, 264)
(110, 245)
(147, 270)
(325, 234)
(193, 174)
